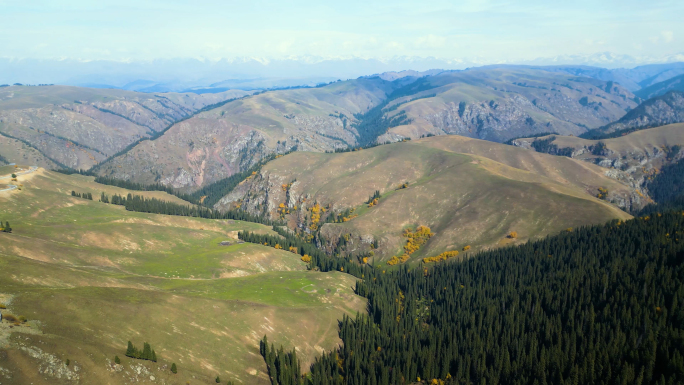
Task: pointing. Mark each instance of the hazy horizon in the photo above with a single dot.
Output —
(84, 43)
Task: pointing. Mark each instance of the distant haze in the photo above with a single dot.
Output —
(198, 43)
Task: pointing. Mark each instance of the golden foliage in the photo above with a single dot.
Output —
(466, 248)
(442, 257)
(315, 216)
(278, 247)
(293, 249)
(373, 202)
(416, 239)
(394, 260)
(513, 235)
(306, 258)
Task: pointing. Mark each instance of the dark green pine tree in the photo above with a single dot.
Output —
(130, 351)
(154, 356)
(147, 352)
(117, 360)
(174, 369)
(218, 380)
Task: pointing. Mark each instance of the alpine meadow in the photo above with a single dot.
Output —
(301, 193)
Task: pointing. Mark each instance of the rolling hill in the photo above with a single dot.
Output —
(468, 191)
(90, 276)
(78, 127)
(492, 104)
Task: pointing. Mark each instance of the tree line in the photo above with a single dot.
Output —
(147, 353)
(157, 206)
(85, 195)
(597, 305)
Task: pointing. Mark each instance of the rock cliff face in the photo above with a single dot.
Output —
(631, 159)
(658, 111)
(79, 127)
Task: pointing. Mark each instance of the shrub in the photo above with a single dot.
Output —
(22, 318)
(117, 360)
(218, 380)
(513, 235)
(466, 248)
(9, 317)
(442, 257)
(67, 362)
(174, 369)
(2, 306)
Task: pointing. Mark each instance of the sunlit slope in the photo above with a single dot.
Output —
(93, 276)
(489, 103)
(503, 103)
(468, 191)
(218, 143)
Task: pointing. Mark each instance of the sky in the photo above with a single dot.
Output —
(481, 31)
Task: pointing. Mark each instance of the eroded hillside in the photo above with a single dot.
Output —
(79, 127)
(492, 104)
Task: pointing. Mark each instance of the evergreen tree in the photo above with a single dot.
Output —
(147, 352)
(117, 360)
(131, 351)
(174, 370)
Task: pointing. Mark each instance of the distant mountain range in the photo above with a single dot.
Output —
(197, 75)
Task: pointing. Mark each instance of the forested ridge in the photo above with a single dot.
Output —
(598, 305)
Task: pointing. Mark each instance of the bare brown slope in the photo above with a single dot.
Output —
(217, 143)
(80, 127)
(500, 104)
(455, 188)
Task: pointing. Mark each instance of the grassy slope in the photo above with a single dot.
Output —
(467, 191)
(95, 276)
(669, 135)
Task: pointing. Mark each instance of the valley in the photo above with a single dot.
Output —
(337, 221)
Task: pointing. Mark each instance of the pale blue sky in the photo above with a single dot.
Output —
(491, 31)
